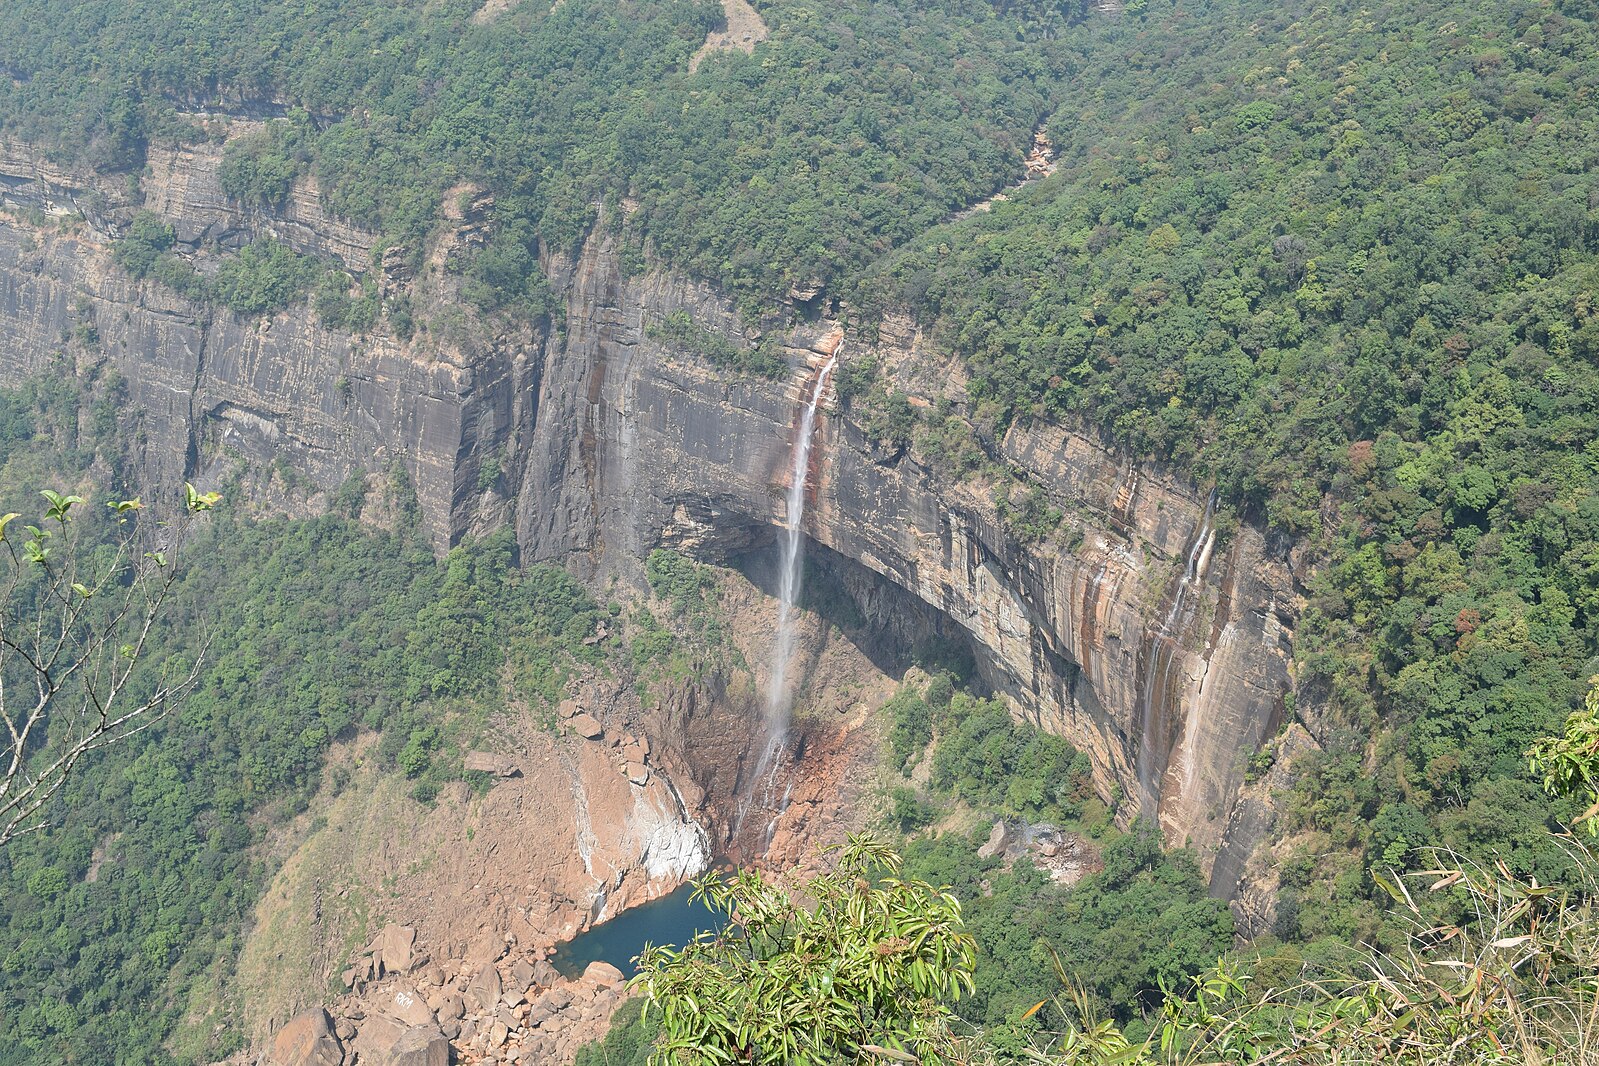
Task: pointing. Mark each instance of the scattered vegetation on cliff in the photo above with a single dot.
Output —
(260, 278)
(679, 332)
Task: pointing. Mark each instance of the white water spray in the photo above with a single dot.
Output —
(774, 725)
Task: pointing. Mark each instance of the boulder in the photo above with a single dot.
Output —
(421, 1046)
(998, 841)
(522, 975)
(569, 709)
(451, 1008)
(392, 948)
(586, 726)
(377, 1034)
(306, 1040)
(545, 975)
(490, 763)
(405, 1004)
(485, 948)
(485, 988)
(637, 773)
(604, 975)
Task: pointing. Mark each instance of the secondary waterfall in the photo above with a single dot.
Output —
(774, 724)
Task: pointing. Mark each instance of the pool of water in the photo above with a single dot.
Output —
(672, 919)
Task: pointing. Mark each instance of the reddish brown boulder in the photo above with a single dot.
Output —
(306, 1040)
(423, 1046)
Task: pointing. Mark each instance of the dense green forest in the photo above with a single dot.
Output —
(1139, 923)
(851, 131)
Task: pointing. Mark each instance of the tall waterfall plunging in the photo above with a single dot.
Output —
(788, 589)
(774, 722)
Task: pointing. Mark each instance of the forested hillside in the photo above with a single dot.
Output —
(854, 128)
(1342, 262)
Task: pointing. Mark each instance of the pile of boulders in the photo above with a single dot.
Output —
(632, 752)
(405, 1009)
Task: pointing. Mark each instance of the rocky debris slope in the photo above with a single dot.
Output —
(587, 814)
(586, 828)
(743, 28)
(491, 1006)
(1065, 858)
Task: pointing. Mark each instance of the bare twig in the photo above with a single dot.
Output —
(74, 626)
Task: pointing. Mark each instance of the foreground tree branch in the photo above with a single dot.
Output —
(76, 616)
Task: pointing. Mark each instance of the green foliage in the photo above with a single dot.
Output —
(1507, 985)
(259, 169)
(263, 277)
(1379, 289)
(845, 967)
(911, 726)
(339, 309)
(696, 640)
(148, 239)
(318, 629)
(985, 758)
(627, 1043)
(1142, 923)
(1569, 763)
(679, 330)
(908, 811)
(792, 165)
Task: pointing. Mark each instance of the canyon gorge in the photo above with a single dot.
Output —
(1153, 637)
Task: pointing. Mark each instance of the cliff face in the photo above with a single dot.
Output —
(1159, 644)
(212, 387)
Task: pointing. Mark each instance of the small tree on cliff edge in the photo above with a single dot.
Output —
(76, 614)
(841, 970)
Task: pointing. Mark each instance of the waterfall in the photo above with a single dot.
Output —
(792, 542)
(774, 724)
(1162, 651)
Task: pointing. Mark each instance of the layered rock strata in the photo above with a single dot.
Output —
(1151, 635)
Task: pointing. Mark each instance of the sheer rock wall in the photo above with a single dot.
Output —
(1155, 641)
